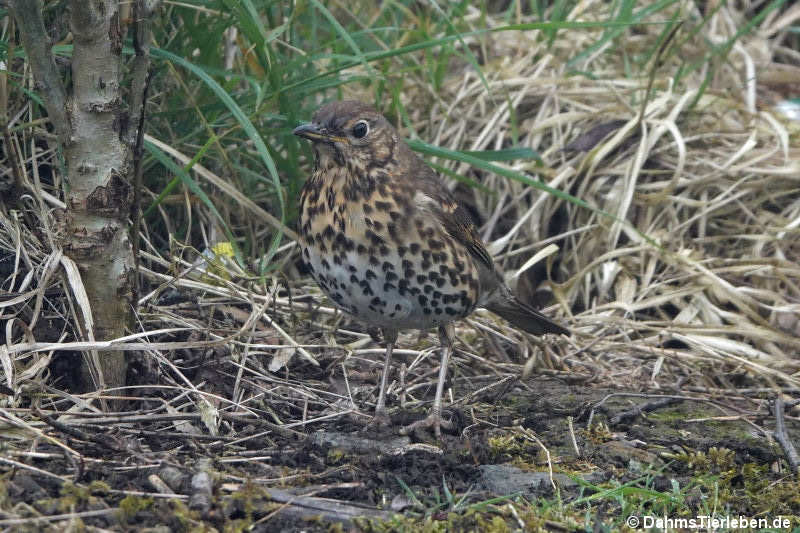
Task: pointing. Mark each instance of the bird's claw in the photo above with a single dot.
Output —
(380, 420)
(433, 420)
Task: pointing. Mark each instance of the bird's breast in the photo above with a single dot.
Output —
(384, 260)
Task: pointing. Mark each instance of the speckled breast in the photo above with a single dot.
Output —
(381, 259)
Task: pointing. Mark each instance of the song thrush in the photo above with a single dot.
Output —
(387, 242)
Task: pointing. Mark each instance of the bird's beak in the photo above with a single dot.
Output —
(314, 133)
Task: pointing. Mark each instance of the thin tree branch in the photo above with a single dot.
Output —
(28, 15)
(783, 437)
(139, 88)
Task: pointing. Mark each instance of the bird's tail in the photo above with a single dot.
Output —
(524, 316)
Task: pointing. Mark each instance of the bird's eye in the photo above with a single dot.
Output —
(361, 129)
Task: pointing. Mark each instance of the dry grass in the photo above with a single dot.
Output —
(692, 285)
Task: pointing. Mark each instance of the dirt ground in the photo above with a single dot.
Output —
(611, 453)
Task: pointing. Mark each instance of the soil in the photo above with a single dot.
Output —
(341, 476)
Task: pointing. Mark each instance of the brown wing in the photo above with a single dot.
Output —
(454, 218)
(460, 227)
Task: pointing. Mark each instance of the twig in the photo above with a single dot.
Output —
(572, 436)
(528, 434)
(635, 412)
(28, 14)
(640, 395)
(55, 517)
(783, 438)
(140, 84)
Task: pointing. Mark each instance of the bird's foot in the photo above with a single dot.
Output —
(380, 420)
(432, 421)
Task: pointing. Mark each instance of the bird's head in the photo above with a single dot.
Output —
(349, 133)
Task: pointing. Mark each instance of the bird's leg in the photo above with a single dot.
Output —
(381, 417)
(434, 419)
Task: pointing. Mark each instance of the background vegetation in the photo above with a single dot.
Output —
(632, 168)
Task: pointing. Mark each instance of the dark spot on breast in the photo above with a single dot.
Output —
(423, 300)
(367, 208)
(374, 261)
(428, 288)
(395, 215)
(435, 245)
(384, 250)
(401, 250)
(361, 249)
(391, 276)
(383, 206)
(370, 275)
(351, 268)
(377, 225)
(426, 264)
(397, 307)
(388, 287)
(373, 237)
(437, 311)
(387, 266)
(406, 264)
(450, 311)
(421, 278)
(328, 232)
(414, 248)
(325, 264)
(331, 198)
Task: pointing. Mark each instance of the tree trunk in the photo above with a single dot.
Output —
(92, 125)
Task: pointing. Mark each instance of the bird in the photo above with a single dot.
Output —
(389, 244)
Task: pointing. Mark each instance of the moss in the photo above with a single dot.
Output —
(336, 528)
(598, 433)
(237, 526)
(512, 447)
(99, 488)
(73, 496)
(130, 505)
(180, 511)
(471, 520)
(335, 456)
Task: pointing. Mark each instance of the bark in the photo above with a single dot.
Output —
(92, 124)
